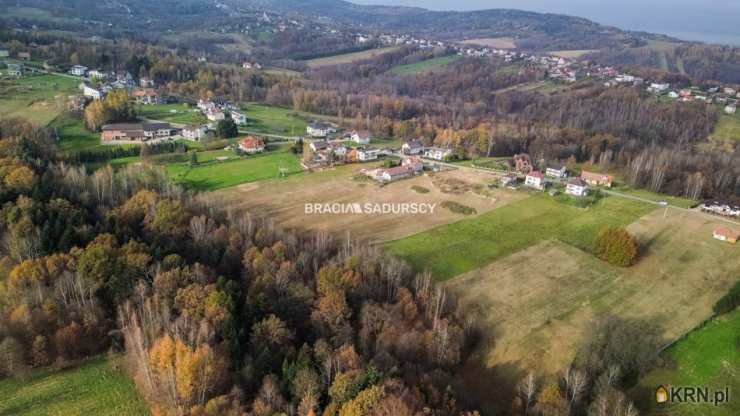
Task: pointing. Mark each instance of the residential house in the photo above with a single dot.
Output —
(726, 234)
(78, 71)
(361, 137)
(437, 153)
(145, 82)
(97, 74)
(673, 94)
(320, 129)
(509, 180)
(319, 146)
(576, 187)
(76, 103)
(125, 78)
(410, 166)
(366, 155)
(252, 145)
(558, 172)
(91, 92)
(412, 148)
(137, 131)
(239, 118)
(194, 132)
(250, 65)
(215, 114)
(535, 180)
(597, 179)
(146, 96)
(730, 109)
(24, 56)
(522, 163)
(720, 207)
(15, 70)
(4, 53)
(338, 149)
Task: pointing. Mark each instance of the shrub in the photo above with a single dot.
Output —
(728, 302)
(616, 246)
(420, 189)
(458, 208)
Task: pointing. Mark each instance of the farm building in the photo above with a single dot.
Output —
(597, 179)
(726, 234)
(410, 166)
(720, 207)
(366, 155)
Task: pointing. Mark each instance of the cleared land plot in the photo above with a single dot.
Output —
(536, 303)
(95, 388)
(424, 66)
(499, 43)
(284, 201)
(74, 137)
(727, 129)
(709, 357)
(572, 54)
(515, 227)
(349, 57)
(210, 174)
(173, 113)
(37, 98)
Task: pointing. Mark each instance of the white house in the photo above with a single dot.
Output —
(673, 94)
(361, 137)
(215, 115)
(194, 132)
(556, 172)
(730, 109)
(535, 180)
(239, 118)
(78, 70)
(4, 53)
(97, 74)
(366, 155)
(91, 92)
(576, 187)
(15, 70)
(414, 147)
(338, 149)
(437, 153)
(319, 129)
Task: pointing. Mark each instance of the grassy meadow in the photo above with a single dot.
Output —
(424, 66)
(347, 58)
(95, 388)
(708, 356)
(210, 174)
(727, 129)
(37, 98)
(275, 120)
(173, 113)
(509, 229)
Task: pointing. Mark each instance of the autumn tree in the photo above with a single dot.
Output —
(616, 246)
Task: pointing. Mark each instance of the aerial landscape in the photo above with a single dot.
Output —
(322, 207)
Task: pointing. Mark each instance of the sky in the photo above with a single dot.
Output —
(716, 21)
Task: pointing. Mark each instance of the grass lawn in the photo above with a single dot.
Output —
(173, 113)
(37, 98)
(210, 174)
(653, 196)
(95, 388)
(709, 356)
(275, 120)
(727, 129)
(509, 229)
(424, 66)
(347, 58)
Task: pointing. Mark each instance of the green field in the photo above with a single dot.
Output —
(709, 356)
(727, 129)
(509, 229)
(424, 66)
(173, 113)
(210, 174)
(74, 137)
(275, 120)
(95, 388)
(37, 98)
(654, 196)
